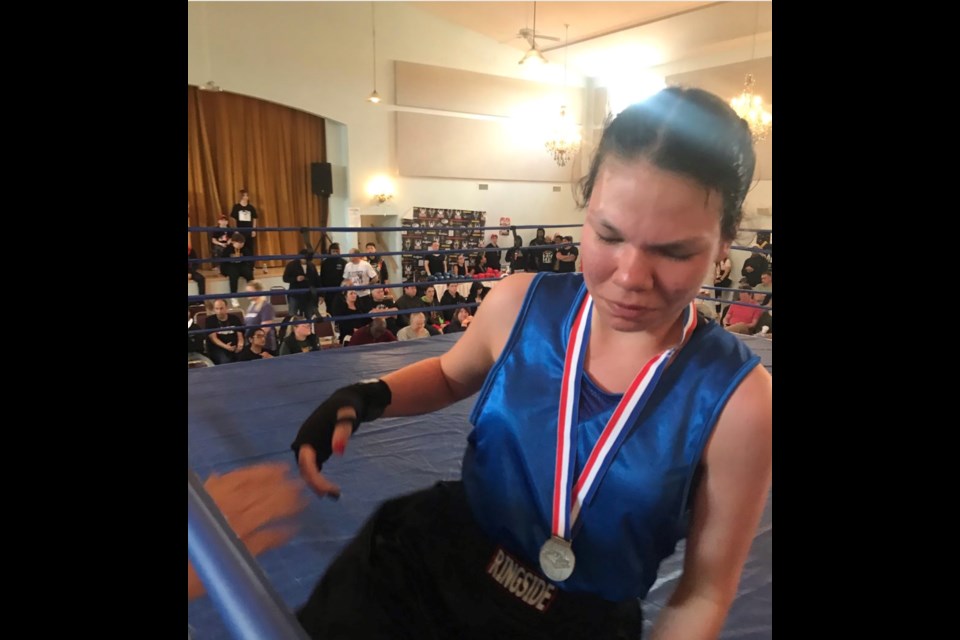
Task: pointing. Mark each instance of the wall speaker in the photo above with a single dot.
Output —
(321, 178)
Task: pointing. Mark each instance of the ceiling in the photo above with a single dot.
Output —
(501, 21)
(677, 37)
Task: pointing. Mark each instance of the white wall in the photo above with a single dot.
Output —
(317, 56)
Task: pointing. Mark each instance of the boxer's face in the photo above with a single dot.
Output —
(650, 237)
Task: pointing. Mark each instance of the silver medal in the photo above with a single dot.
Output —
(557, 559)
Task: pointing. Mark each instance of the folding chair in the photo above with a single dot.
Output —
(326, 334)
(278, 299)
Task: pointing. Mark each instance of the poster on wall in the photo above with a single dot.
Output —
(353, 217)
(444, 226)
(505, 226)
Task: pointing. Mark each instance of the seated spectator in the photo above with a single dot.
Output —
(377, 302)
(223, 346)
(347, 305)
(409, 300)
(741, 318)
(480, 264)
(451, 296)
(460, 321)
(261, 311)
(376, 331)
(765, 320)
(416, 328)
(766, 285)
(460, 268)
(301, 339)
(429, 299)
(256, 349)
(477, 293)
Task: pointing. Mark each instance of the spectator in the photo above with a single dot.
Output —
(493, 252)
(224, 345)
(245, 215)
(302, 274)
(256, 349)
(378, 263)
(331, 274)
(741, 318)
(301, 339)
(415, 330)
(567, 256)
(239, 265)
(374, 332)
(359, 272)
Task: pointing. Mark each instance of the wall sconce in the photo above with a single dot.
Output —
(380, 188)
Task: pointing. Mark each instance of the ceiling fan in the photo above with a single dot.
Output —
(531, 36)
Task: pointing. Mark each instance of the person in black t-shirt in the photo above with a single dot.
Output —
(436, 262)
(542, 258)
(493, 253)
(220, 240)
(239, 267)
(245, 215)
(224, 346)
(302, 274)
(378, 263)
(331, 274)
(567, 256)
(516, 256)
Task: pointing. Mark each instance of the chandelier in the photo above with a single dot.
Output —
(750, 107)
(565, 141)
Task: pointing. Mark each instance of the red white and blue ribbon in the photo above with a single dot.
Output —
(569, 495)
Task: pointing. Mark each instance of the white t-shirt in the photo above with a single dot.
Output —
(359, 274)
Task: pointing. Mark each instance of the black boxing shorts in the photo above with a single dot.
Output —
(420, 568)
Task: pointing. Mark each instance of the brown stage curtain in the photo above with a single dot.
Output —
(236, 142)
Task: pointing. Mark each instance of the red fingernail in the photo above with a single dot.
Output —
(339, 442)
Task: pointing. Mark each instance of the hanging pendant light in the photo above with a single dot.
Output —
(374, 97)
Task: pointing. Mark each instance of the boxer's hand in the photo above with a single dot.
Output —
(329, 427)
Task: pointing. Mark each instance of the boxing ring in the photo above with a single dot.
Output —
(249, 412)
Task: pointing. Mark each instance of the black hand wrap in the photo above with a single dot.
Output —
(369, 400)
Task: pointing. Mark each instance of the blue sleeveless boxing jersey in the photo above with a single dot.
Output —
(638, 513)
